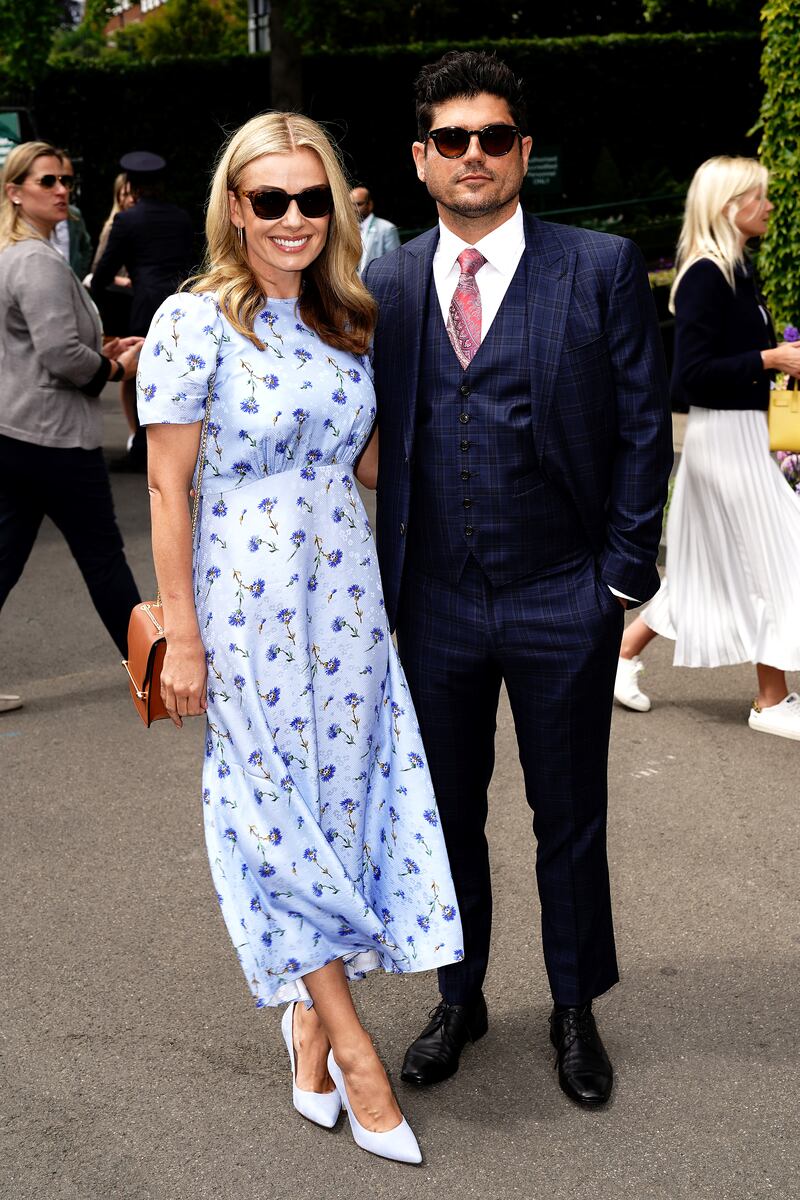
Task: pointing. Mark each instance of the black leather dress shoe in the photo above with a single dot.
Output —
(434, 1055)
(584, 1070)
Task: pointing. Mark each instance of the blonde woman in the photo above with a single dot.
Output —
(321, 825)
(733, 533)
(53, 370)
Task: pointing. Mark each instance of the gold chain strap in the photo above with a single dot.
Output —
(200, 465)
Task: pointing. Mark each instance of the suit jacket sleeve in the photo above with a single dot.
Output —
(643, 456)
(80, 245)
(113, 257)
(46, 300)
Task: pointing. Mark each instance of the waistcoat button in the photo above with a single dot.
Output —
(464, 418)
(465, 389)
(467, 531)
(466, 475)
(467, 503)
(465, 445)
(402, 528)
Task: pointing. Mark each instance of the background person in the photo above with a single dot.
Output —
(53, 370)
(321, 825)
(378, 236)
(154, 240)
(70, 236)
(118, 296)
(733, 532)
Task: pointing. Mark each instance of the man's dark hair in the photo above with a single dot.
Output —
(467, 73)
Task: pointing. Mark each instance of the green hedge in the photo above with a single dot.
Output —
(779, 259)
(627, 111)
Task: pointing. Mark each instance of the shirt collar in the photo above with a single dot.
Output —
(501, 248)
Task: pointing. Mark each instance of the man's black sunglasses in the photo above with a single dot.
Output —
(495, 140)
(270, 204)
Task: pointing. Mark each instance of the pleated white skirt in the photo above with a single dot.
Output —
(732, 588)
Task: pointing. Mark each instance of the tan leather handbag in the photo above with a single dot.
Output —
(147, 642)
(147, 645)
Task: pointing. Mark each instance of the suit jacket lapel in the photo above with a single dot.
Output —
(416, 266)
(550, 272)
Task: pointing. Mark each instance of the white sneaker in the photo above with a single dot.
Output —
(9, 703)
(626, 685)
(781, 719)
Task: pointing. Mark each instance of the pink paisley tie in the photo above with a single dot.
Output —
(464, 318)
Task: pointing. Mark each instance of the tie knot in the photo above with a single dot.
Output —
(470, 261)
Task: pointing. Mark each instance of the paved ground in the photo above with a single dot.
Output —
(135, 1067)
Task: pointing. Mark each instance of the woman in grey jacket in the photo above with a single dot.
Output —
(53, 370)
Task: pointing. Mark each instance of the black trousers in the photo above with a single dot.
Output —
(554, 640)
(72, 488)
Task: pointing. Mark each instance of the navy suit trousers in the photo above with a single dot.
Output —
(554, 640)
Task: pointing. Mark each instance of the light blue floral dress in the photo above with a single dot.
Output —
(321, 824)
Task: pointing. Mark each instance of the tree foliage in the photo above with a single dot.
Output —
(779, 258)
(188, 28)
(26, 33)
(341, 24)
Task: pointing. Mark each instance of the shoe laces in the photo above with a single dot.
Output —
(576, 1025)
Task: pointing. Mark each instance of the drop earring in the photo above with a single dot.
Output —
(241, 237)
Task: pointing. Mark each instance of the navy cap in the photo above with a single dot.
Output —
(142, 162)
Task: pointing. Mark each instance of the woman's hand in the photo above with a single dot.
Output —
(129, 359)
(183, 679)
(785, 357)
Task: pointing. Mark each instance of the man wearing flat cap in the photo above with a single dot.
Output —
(154, 240)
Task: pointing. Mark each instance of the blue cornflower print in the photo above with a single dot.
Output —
(316, 797)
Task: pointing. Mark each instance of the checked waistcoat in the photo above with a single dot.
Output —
(477, 488)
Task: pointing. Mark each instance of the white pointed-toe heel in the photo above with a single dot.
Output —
(321, 1107)
(398, 1144)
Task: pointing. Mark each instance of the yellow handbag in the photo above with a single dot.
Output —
(784, 418)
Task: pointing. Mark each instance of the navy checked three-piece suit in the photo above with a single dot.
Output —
(510, 496)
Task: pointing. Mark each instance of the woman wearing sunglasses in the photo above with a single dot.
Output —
(53, 370)
(321, 825)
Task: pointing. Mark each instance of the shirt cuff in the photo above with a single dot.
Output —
(621, 595)
(100, 378)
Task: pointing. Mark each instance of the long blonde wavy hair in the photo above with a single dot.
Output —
(17, 167)
(333, 301)
(720, 187)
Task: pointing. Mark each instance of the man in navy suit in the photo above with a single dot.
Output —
(525, 447)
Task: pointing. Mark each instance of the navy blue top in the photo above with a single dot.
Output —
(719, 336)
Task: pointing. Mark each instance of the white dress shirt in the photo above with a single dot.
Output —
(59, 238)
(502, 249)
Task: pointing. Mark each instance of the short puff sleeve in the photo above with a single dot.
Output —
(179, 358)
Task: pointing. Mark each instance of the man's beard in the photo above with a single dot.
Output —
(477, 205)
